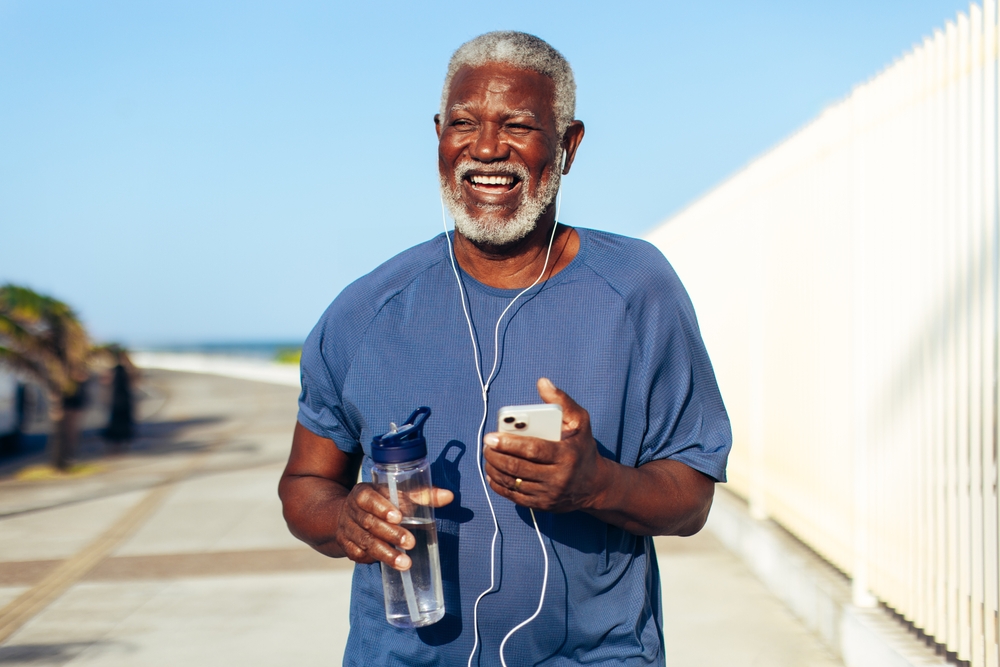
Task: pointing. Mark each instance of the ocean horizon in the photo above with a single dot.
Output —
(268, 350)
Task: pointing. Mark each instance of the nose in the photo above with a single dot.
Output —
(488, 146)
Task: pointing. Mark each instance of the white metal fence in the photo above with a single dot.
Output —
(847, 287)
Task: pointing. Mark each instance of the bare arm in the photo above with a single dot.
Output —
(325, 507)
(662, 497)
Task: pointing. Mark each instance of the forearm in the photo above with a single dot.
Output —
(659, 498)
(311, 507)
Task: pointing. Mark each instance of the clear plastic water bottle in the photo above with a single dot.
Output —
(413, 598)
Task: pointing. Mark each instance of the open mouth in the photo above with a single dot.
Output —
(492, 183)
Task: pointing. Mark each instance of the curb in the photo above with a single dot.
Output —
(816, 592)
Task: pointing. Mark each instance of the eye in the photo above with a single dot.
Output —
(518, 129)
(461, 124)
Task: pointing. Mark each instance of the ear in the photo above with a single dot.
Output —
(437, 125)
(571, 141)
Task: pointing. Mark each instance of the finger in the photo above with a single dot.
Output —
(573, 414)
(381, 550)
(434, 497)
(552, 394)
(521, 494)
(500, 489)
(356, 553)
(521, 446)
(507, 478)
(507, 486)
(373, 502)
(497, 477)
(367, 550)
(369, 524)
(394, 558)
(514, 467)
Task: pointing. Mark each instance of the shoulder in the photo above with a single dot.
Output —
(362, 300)
(634, 268)
(329, 351)
(348, 318)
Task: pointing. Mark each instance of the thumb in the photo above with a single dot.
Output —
(574, 417)
(548, 391)
(435, 497)
(552, 394)
(441, 497)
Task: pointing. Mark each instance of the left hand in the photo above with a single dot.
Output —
(555, 476)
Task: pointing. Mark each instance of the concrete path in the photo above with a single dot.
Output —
(175, 554)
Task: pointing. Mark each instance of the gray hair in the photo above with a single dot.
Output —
(523, 51)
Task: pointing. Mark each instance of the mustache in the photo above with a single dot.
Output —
(516, 170)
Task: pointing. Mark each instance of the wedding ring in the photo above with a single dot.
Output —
(517, 484)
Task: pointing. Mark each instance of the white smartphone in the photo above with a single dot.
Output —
(538, 421)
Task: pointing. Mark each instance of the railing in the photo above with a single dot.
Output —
(847, 288)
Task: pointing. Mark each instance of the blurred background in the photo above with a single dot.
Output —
(184, 187)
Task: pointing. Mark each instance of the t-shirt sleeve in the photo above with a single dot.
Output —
(326, 361)
(686, 420)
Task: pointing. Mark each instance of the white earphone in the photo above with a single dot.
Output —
(485, 387)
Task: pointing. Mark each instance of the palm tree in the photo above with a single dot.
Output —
(43, 337)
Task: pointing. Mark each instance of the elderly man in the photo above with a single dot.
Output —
(604, 329)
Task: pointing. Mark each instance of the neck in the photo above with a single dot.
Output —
(517, 265)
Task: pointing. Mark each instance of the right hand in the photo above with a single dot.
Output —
(368, 527)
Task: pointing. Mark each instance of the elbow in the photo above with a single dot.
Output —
(285, 495)
(288, 508)
(695, 516)
(694, 522)
(292, 509)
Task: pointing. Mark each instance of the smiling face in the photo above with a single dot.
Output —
(498, 152)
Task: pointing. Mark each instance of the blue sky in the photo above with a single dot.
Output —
(218, 171)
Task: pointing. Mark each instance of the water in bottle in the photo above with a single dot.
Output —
(414, 597)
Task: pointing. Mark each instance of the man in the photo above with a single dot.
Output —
(608, 333)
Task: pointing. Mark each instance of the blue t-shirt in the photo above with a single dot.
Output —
(614, 329)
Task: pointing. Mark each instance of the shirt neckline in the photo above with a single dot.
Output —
(472, 283)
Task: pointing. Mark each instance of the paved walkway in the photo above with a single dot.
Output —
(176, 554)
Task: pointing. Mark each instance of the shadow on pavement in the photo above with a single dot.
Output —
(152, 438)
(159, 437)
(44, 654)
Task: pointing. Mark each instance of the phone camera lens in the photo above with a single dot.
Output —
(508, 420)
(520, 425)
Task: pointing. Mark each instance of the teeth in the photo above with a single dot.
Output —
(492, 180)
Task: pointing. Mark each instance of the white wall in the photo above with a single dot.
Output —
(846, 285)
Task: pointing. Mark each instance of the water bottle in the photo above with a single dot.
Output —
(413, 598)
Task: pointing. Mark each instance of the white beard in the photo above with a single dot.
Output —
(490, 227)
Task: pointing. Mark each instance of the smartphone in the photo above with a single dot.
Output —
(538, 421)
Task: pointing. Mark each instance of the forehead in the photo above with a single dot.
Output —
(502, 87)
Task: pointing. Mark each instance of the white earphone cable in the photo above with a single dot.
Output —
(538, 532)
(482, 424)
(479, 438)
